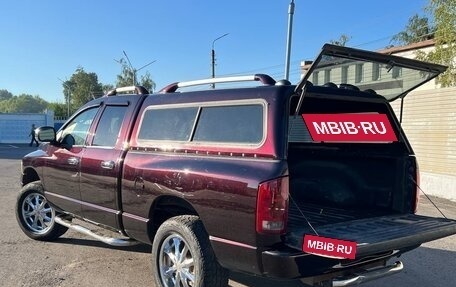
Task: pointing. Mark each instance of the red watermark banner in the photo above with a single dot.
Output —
(329, 247)
(369, 127)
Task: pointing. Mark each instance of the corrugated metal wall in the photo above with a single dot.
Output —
(429, 120)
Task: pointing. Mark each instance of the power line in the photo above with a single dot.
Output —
(298, 70)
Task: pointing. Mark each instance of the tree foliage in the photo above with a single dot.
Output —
(5, 95)
(418, 29)
(147, 82)
(444, 12)
(342, 41)
(125, 78)
(81, 88)
(128, 77)
(60, 109)
(107, 88)
(23, 103)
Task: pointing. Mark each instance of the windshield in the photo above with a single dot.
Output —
(389, 76)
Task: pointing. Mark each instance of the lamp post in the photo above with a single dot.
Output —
(213, 57)
(291, 8)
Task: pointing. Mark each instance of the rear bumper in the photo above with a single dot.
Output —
(289, 263)
(285, 263)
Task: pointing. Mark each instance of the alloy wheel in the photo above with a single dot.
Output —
(37, 213)
(176, 262)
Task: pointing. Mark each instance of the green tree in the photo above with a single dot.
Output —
(342, 41)
(5, 95)
(125, 78)
(60, 109)
(107, 88)
(418, 29)
(444, 12)
(81, 88)
(23, 103)
(147, 82)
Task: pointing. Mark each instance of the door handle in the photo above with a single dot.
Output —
(73, 161)
(108, 164)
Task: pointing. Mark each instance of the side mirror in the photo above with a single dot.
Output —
(67, 142)
(45, 134)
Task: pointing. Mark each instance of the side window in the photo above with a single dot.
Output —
(397, 72)
(173, 124)
(359, 73)
(230, 124)
(315, 78)
(78, 127)
(344, 75)
(375, 71)
(109, 126)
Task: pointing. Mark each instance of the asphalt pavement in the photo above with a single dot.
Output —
(77, 260)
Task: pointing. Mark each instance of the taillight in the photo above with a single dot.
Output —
(417, 192)
(272, 206)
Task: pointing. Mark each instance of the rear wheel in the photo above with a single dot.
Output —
(182, 255)
(35, 215)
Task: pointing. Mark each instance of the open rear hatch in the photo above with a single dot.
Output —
(357, 191)
(390, 76)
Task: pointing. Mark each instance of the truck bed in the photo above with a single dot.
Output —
(374, 231)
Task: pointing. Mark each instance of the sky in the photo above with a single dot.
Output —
(43, 42)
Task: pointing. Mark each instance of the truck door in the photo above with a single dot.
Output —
(61, 174)
(101, 166)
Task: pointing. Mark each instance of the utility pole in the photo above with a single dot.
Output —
(291, 8)
(131, 67)
(133, 70)
(213, 57)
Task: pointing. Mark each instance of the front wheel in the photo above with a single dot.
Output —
(35, 215)
(182, 255)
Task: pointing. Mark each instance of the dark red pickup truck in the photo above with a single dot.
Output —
(314, 181)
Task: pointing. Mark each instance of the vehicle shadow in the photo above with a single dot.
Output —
(11, 151)
(425, 266)
(239, 279)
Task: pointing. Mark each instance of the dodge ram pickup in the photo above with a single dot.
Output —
(315, 181)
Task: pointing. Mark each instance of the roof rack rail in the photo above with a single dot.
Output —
(263, 78)
(140, 90)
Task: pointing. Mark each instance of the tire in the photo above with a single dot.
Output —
(192, 263)
(35, 215)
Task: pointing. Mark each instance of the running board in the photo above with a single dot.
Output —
(105, 239)
(369, 275)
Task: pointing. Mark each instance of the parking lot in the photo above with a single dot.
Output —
(77, 260)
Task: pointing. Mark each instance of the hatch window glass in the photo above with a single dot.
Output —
(389, 76)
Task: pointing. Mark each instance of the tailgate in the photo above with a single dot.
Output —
(377, 234)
